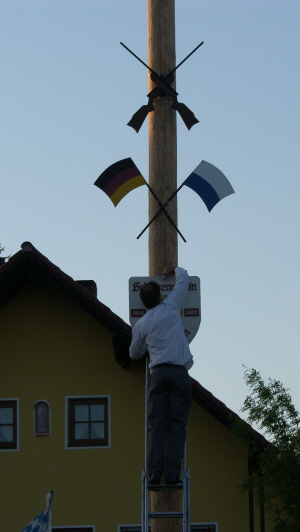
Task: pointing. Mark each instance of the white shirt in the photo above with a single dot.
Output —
(160, 330)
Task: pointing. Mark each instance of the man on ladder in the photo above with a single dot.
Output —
(160, 333)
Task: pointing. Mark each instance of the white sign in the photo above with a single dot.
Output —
(191, 309)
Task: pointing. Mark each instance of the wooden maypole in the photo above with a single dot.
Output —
(163, 241)
(163, 238)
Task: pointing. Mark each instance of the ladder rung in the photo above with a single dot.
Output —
(166, 515)
(159, 487)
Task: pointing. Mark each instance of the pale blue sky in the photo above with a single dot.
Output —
(68, 90)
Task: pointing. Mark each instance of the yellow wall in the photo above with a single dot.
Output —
(50, 349)
(217, 463)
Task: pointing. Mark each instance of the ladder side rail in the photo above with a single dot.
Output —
(186, 494)
(144, 502)
(184, 521)
(145, 491)
(146, 442)
(184, 479)
(188, 499)
(143, 497)
(147, 377)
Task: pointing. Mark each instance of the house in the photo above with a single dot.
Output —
(72, 415)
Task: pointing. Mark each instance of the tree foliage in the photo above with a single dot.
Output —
(277, 466)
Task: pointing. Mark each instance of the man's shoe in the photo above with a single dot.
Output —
(172, 479)
(155, 477)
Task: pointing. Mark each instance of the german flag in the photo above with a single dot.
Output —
(119, 179)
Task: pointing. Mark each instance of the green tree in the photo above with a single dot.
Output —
(276, 478)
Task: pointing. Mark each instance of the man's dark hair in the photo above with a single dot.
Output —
(150, 294)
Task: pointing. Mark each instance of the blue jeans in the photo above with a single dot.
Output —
(169, 404)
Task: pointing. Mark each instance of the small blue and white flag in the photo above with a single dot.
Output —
(40, 523)
(209, 183)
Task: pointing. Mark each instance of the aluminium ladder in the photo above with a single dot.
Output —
(185, 486)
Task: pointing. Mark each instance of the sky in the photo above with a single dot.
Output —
(68, 90)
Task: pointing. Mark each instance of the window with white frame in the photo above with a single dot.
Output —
(8, 424)
(88, 421)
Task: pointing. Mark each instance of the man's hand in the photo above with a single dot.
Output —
(169, 270)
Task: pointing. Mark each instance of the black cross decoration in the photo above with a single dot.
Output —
(163, 89)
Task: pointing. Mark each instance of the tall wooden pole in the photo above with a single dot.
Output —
(163, 240)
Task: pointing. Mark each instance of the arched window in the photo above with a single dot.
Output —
(41, 418)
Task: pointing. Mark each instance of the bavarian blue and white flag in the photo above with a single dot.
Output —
(40, 523)
(209, 183)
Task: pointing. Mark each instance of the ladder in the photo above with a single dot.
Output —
(185, 486)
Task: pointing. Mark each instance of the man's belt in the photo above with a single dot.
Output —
(166, 365)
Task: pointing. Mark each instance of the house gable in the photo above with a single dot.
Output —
(29, 266)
